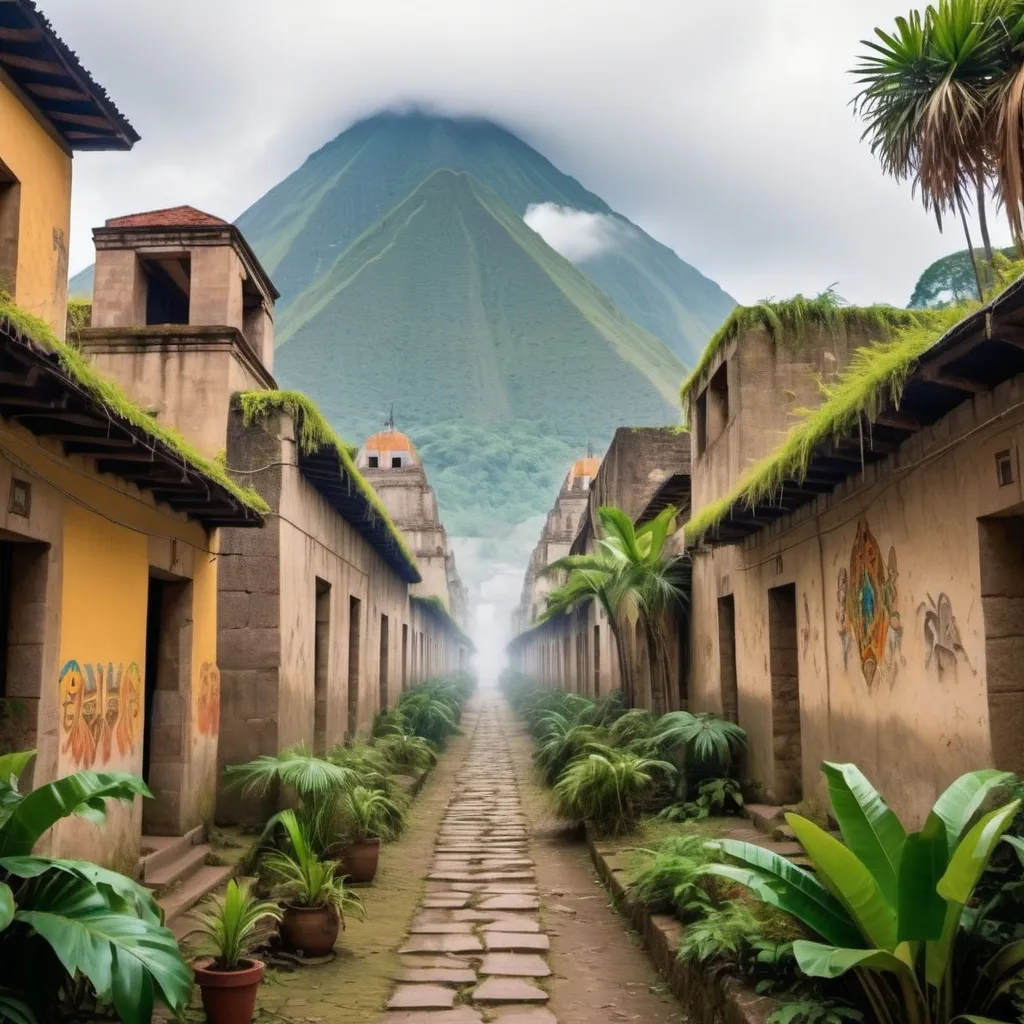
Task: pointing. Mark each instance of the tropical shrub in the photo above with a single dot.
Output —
(303, 879)
(675, 878)
(814, 1011)
(63, 920)
(701, 745)
(403, 751)
(426, 713)
(234, 925)
(723, 933)
(559, 741)
(370, 814)
(890, 906)
(608, 788)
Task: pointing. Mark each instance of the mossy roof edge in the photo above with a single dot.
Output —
(316, 434)
(793, 318)
(875, 375)
(437, 605)
(108, 394)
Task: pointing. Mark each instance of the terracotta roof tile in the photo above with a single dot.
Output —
(172, 217)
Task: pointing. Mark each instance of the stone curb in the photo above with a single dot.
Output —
(710, 996)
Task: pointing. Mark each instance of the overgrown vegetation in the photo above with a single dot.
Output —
(315, 434)
(792, 321)
(109, 395)
(874, 376)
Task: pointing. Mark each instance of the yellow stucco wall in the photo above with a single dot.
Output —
(43, 168)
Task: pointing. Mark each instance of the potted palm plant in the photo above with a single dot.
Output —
(233, 926)
(315, 895)
(370, 816)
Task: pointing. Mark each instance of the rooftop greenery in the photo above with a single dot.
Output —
(438, 606)
(315, 434)
(109, 395)
(874, 376)
(791, 321)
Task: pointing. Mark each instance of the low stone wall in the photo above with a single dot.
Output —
(710, 996)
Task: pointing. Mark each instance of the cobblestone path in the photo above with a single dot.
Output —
(476, 950)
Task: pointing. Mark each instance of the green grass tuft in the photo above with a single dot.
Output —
(108, 394)
(791, 321)
(875, 375)
(315, 434)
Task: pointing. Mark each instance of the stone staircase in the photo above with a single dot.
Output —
(181, 870)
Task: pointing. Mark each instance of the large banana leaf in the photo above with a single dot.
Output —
(137, 896)
(1017, 844)
(958, 805)
(80, 793)
(13, 1010)
(871, 830)
(13, 765)
(788, 887)
(6, 906)
(846, 876)
(819, 961)
(1004, 971)
(921, 910)
(122, 955)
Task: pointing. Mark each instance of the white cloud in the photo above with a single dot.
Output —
(576, 234)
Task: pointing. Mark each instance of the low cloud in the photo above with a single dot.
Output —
(576, 234)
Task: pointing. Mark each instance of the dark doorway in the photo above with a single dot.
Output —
(354, 614)
(154, 629)
(321, 665)
(727, 658)
(405, 656)
(784, 666)
(1001, 543)
(597, 660)
(382, 680)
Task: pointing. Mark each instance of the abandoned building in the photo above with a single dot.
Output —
(644, 469)
(316, 630)
(110, 526)
(390, 463)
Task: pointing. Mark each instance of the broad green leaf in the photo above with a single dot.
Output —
(921, 910)
(846, 876)
(972, 855)
(6, 906)
(820, 961)
(962, 800)
(14, 1010)
(871, 830)
(46, 805)
(1017, 844)
(789, 887)
(137, 896)
(88, 937)
(12, 766)
(1005, 968)
(972, 1018)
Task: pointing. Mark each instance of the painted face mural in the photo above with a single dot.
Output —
(871, 621)
(99, 704)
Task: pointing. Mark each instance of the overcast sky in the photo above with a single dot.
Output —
(722, 128)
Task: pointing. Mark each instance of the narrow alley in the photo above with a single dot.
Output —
(514, 925)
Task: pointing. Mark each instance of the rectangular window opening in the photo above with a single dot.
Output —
(168, 287)
(354, 615)
(321, 664)
(383, 665)
(785, 682)
(727, 658)
(396, 461)
(405, 656)
(374, 462)
(700, 422)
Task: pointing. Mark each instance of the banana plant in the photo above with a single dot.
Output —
(62, 920)
(889, 904)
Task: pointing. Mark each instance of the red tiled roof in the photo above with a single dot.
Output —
(172, 217)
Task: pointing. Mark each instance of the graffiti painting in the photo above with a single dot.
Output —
(942, 638)
(208, 700)
(870, 621)
(101, 709)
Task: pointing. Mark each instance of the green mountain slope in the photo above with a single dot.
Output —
(456, 311)
(300, 227)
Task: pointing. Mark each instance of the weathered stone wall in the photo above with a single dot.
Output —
(933, 689)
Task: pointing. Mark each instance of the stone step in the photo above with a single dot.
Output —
(186, 864)
(158, 851)
(180, 899)
(765, 818)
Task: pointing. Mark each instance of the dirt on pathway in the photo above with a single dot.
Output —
(514, 926)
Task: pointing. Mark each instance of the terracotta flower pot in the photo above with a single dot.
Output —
(359, 860)
(229, 997)
(311, 930)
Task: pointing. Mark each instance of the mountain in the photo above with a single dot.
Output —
(303, 224)
(478, 331)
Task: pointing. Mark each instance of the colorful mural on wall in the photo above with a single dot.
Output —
(868, 619)
(941, 633)
(101, 707)
(208, 700)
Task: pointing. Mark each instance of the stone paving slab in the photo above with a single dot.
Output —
(460, 1015)
(516, 965)
(442, 944)
(422, 997)
(524, 1015)
(440, 975)
(508, 990)
(516, 942)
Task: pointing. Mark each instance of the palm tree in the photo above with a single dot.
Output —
(638, 587)
(928, 98)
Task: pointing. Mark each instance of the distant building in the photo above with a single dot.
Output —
(390, 462)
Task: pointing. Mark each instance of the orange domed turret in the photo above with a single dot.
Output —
(586, 467)
(388, 449)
